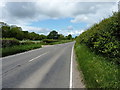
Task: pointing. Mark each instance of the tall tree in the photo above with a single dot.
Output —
(69, 37)
(53, 35)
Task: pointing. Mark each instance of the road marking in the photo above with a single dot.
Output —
(23, 52)
(22, 64)
(20, 53)
(37, 57)
(71, 69)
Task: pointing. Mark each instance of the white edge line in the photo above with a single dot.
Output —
(71, 67)
(38, 56)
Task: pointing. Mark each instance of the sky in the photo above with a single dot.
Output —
(64, 16)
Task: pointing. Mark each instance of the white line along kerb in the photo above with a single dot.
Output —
(71, 67)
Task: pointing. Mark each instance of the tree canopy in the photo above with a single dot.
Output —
(53, 35)
(17, 32)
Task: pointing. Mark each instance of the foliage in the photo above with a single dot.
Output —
(69, 37)
(60, 42)
(104, 37)
(12, 32)
(16, 32)
(7, 42)
(19, 48)
(53, 35)
(41, 37)
(61, 37)
(97, 70)
(49, 40)
(27, 43)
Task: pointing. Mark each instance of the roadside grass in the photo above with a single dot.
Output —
(25, 46)
(98, 71)
(18, 48)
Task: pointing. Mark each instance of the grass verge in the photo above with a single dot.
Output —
(25, 47)
(18, 48)
(98, 72)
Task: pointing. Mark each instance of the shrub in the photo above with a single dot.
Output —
(27, 43)
(104, 37)
(17, 49)
(49, 40)
(7, 42)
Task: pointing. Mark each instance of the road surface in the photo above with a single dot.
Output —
(47, 67)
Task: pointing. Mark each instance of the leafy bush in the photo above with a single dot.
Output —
(104, 37)
(17, 49)
(60, 42)
(7, 42)
(49, 40)
(27, 43)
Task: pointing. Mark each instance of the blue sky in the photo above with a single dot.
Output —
(61, 15)
(58, 24)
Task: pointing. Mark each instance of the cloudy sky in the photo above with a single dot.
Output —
(64, 16)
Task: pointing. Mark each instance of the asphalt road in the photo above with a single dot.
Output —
(47, 67)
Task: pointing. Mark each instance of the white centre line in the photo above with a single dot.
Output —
(71, 67)
(37, 57)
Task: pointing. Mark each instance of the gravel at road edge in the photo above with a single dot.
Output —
(78, 81)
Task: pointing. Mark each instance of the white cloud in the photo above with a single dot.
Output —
(23, 13)
(72, 32)
(79, 18)
(27, 12)
(38, 30)
(76, 32)
(103, 10)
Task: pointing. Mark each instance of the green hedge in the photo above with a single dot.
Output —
(27, 42)
(104, 37)
(19, 48)
(7, 42)
(49, 40)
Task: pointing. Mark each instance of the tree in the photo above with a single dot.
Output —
(76, 37)
(41, 37)
(53, 35)
(15, 32)
(26, 34)
(32, 36)
(61, 37)
(69, 37)
(5, 31)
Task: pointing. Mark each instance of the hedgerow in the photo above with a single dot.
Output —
(104, 37)
(7, 42)
(49, 40)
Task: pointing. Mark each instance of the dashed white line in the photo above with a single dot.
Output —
(37, 57)
(71, 65)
